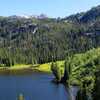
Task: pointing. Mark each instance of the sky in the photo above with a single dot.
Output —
(52, 8)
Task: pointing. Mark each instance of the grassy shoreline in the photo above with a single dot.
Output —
(22, 68)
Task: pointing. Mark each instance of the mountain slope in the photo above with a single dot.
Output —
(33, 40)
(85, 17)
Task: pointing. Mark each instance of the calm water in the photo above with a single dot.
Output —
(37, 86)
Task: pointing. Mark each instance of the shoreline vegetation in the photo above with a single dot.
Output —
(29, 68)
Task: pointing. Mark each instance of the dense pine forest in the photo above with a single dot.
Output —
(41, 39)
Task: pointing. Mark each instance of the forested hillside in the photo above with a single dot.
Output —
(39, 40)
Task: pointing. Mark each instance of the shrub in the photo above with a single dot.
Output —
(56, 71)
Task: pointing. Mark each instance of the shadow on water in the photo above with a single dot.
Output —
(26, 71)
(72, 91)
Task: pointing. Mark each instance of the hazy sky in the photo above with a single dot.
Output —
(52, 8)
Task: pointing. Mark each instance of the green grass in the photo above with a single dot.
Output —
(39, 67)
(20, 66)
(46, 67)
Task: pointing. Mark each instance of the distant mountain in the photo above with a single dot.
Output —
(41, 16)
(91, 15)
(85, 17)
(74, 18)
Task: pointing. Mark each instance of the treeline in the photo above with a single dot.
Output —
(10, 57)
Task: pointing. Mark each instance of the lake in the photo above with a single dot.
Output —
(37, 86)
